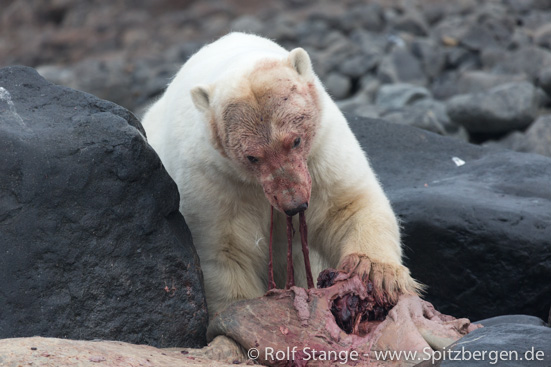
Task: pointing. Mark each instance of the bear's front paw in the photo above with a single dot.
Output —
(390, 280)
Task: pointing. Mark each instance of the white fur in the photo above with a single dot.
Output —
(223, 206)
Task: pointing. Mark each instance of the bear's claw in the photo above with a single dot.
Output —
(389, 280)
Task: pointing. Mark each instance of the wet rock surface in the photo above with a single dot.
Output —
(93, 244)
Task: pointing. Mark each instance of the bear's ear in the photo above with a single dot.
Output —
(200, 96)
(300, 61)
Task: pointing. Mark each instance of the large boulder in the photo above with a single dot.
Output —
(92, 242)
(477, 234)
(502, 109)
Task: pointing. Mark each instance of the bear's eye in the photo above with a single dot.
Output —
(252, 159)
(296, 143)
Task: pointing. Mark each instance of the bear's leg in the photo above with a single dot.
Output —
(362, 232)
(233, 271)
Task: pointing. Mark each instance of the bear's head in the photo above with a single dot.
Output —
(264, 121)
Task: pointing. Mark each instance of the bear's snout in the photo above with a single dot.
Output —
(302, 207)
(288, 187)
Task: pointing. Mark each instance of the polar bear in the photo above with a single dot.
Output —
(246, 125)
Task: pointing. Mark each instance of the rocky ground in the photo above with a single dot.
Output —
(475, 70)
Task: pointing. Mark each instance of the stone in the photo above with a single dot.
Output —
(512, 319)
(473, 81)
(537, 139)
(544, 80)
(437, 110)
(128, 83)
(451, 27)
(477, 234)
(529, 59)
(444, 85)
(502, 109)
(490, 28)
(413, 23)
(449, 84)
(363, 16)
(247, 23)
(460, 58)
(337, 85)
(93, 243)
(401, 66)
(508, 345)
(415, 116)
(370, 111)
(358, 65)
(433, 58)
(399, 95)
(542, 37)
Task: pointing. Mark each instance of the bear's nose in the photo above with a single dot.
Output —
(302, 207)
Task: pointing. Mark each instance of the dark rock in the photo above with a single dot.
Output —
(450, 84)
(492, 27)
(444, 85)
(399, 95)
(512, 319)
(369, 85)
(436, 11)
(128, 83)
(363, 16)
(415, 116)
(491, 57)
(508, 345)
(481, 81)
(368, 111)
(413, 23)
(432, 56)
(247, 23)
(478, 235)
(93, 244)
(437, 110)
(502, 109)
(313, 33)
(535, 19)
(461, 59)
(358, 65)
(520, 37)
(544, 80)
(528, 59)
(401, 66)
(537, 139)
(452, 27)
(282, 29)
(513, 141)
(337, 86)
